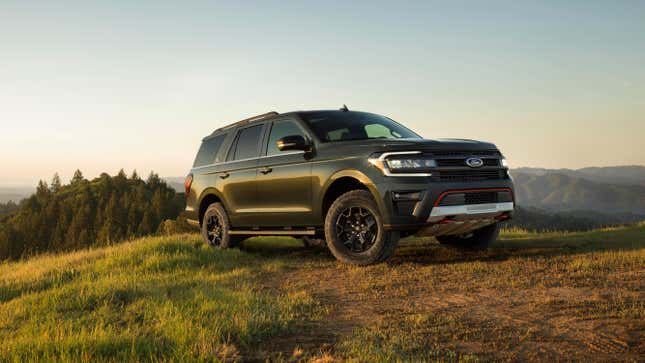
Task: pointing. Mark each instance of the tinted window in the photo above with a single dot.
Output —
(279, 130)
(248, 143)
(352, 125)
(208, 151)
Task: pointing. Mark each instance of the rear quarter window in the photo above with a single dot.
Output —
(207, 153)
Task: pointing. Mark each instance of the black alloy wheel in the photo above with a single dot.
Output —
(357, 229)
(213, 230)
(216, 226)
(354, 230)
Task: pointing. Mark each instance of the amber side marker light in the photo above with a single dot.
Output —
(187, 183)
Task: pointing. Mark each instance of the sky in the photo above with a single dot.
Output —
(104, 85)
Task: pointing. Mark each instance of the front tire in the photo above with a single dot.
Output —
(477, 240)
(215, 227)
(354, 230)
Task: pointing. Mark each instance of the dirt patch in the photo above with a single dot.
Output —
(517, 319)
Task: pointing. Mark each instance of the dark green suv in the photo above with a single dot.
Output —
(358, 180)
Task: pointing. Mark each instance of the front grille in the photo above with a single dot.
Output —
(440, 154)
(480, 197)
(469, 175)
(462, 162)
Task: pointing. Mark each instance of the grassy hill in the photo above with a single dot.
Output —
(532, 297)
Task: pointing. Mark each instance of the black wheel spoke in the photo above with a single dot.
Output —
(356, 227)
(214, 230)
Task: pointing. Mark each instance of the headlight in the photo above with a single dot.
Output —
(404, 163)
(504, 163)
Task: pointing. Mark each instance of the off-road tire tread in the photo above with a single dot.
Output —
(387, 240)
(228, 241)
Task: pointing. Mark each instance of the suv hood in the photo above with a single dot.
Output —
(429, 145)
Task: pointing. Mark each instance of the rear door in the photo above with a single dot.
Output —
(284, 180)
(238, 175)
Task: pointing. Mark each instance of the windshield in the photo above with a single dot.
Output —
(352, 125)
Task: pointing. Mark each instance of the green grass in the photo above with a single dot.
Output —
(173, 299)
(153, 299)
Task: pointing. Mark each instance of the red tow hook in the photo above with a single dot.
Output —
(502, 217)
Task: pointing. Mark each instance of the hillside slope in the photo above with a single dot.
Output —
(559, 192)
(548, 297)
(624, 175)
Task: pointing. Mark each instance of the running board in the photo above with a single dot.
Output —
(279, 232)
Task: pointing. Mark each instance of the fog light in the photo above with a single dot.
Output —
(398, 196)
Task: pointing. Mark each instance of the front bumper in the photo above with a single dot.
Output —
(419, 215)
(471, 211)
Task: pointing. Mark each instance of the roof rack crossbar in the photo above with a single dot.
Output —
(247, 120)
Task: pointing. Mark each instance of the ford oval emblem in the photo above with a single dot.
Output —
(474, 162)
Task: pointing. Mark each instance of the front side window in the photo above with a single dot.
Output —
(279, 130)
(351, 125)
(207, 153)
(248, 143)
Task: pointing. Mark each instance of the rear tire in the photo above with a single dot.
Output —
(215, 228)
(477, 240)
(354, 230)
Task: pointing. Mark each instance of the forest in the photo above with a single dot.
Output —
(87, 213)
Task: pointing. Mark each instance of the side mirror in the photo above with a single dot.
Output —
(292, 142)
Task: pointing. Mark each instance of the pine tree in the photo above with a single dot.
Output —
(77, 178)
(42, 190)
(107, 210)
(146, 226)
(55, 184)
(153, 180)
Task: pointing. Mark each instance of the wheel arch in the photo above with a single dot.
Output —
(344, 181)
(208, 197)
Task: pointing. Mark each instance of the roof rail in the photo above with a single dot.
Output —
(247, 120)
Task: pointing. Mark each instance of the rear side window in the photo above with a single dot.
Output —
(208, 151)
(248, 143)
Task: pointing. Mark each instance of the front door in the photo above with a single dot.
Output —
(284, 181)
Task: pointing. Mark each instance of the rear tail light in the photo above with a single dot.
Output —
(187, 184)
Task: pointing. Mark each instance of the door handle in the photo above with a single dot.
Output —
(224, 175)
(266, 170)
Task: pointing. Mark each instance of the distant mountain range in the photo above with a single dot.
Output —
(625, 175)
(15, 194)
(619, 189)
(177, 182)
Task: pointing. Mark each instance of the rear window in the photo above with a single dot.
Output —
(248, 143)
(208, 151)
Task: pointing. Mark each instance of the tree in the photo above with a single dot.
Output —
(106, 210)
(55, 184)
(77, 178)
(42, 190)
(153, 180)
(122, 174)
(146, 226)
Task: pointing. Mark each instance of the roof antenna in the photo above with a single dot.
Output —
(344, 108)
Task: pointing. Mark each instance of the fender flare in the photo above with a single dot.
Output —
(211, 191)
(363, 179)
